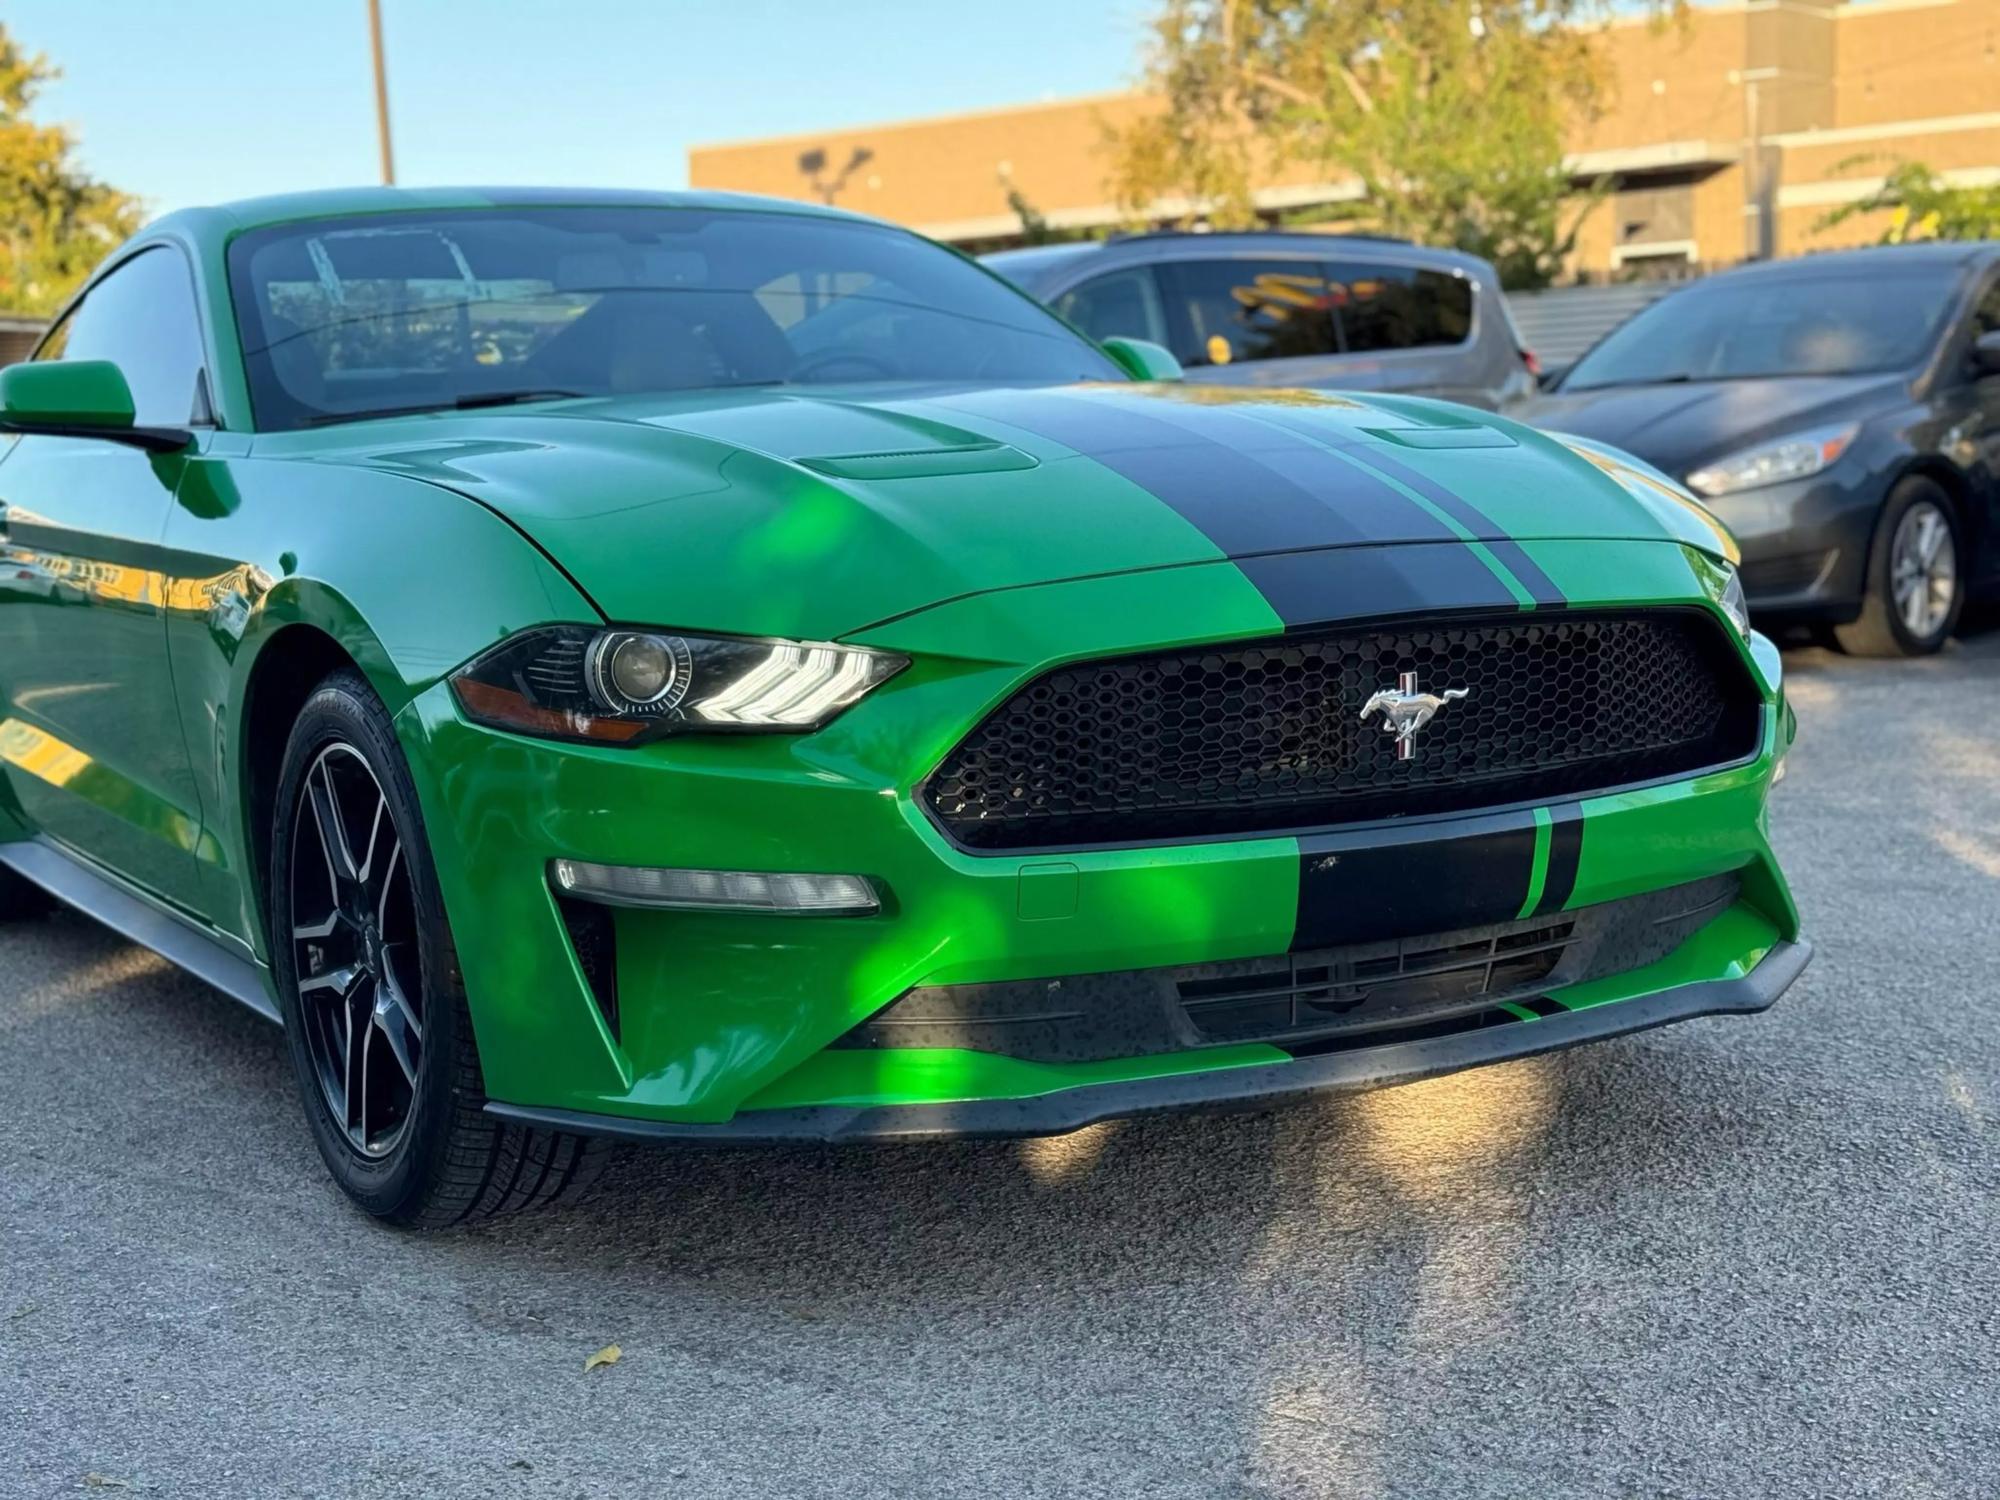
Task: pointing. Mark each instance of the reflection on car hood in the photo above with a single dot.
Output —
(813, 515)
(1680, 427)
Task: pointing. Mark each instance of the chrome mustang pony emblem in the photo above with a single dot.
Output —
(1405, 711)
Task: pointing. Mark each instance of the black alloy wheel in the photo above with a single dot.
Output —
(354, 935)
(369, 986)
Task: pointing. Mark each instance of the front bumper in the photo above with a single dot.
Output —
(1250, 1086)
(728, 1019)
(1805, 544)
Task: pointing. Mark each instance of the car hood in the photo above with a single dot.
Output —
(1678, 427)
(816, 515)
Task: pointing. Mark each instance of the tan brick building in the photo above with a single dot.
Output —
(1729, 136)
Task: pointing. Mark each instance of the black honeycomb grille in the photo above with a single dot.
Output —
(1268, 736)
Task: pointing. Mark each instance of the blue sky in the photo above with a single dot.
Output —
(205, 100)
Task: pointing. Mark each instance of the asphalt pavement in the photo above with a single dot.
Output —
(1736, 1257)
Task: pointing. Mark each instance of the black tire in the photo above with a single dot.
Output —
(437, 1158)
(1882, 629)
(20, 898)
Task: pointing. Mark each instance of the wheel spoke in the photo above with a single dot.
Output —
(388, 882)
(367, 1039)
(332, 832)
(391, 1016)
(365, 873)
(393, 988)
(318, 929)
(341, 981)
(353, 1074)
(1930, 536)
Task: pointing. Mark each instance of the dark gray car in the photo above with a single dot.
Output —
(1341, 311)
(1841, 413)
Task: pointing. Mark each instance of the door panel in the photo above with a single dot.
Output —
(90, 739)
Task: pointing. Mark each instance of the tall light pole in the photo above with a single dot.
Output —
(381, 93)
(1758, 188)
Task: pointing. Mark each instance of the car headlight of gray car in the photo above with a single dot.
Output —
(1794, 456)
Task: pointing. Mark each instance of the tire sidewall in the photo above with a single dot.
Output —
(345, 711)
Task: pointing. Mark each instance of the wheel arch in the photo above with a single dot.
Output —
(1958, 488)
(289, 665)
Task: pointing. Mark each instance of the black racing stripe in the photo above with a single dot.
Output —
(1376, 510)
(1409, 882)
(1349, 583)
(1243, 499)
(1527, 572)
(1565, 850)
(1543, 1006)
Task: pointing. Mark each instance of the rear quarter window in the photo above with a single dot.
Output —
(1383, 307)
(1232, 311)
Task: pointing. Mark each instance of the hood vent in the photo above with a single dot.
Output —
(1435, 438)
(923, 463)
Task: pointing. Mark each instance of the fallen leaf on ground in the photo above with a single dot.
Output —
(105, 1482)
(608, 1355)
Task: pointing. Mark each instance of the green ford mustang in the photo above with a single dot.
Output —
(706, 669)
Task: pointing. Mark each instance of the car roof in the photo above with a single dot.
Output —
(1034, 262)
(225, 219)
(1938, 254)
(1042, 264)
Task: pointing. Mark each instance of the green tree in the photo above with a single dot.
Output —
(1449, 114)
(1035, 227)
(1921, 206)
(56, 221)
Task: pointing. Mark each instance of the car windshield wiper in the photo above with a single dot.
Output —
(1679, 377)
(512, 398)
(470, 402)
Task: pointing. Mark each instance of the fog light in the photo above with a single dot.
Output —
(718, 890)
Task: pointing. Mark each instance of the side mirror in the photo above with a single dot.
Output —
(1144, 360)
(1986, 353)
(1552, 376)
(78, 398)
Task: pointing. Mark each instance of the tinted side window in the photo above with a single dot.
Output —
(1399, 307)
(1986, 312)
(1123, 304)
(1226, 311)
(142, 318)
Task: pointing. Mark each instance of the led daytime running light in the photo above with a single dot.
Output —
(718, 890)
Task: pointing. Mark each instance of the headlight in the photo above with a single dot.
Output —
(1735, 604)
(622, 686)
(1792, 457)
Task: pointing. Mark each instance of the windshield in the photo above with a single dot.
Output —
(346, 318)
(1741, 328)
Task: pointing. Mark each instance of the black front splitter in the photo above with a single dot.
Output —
(1260, 1086)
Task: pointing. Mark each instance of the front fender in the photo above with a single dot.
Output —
(408, 579)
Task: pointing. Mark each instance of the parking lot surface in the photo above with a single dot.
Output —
(1739, 1256)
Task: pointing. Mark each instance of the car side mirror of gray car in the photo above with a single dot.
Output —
(1986, 353)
